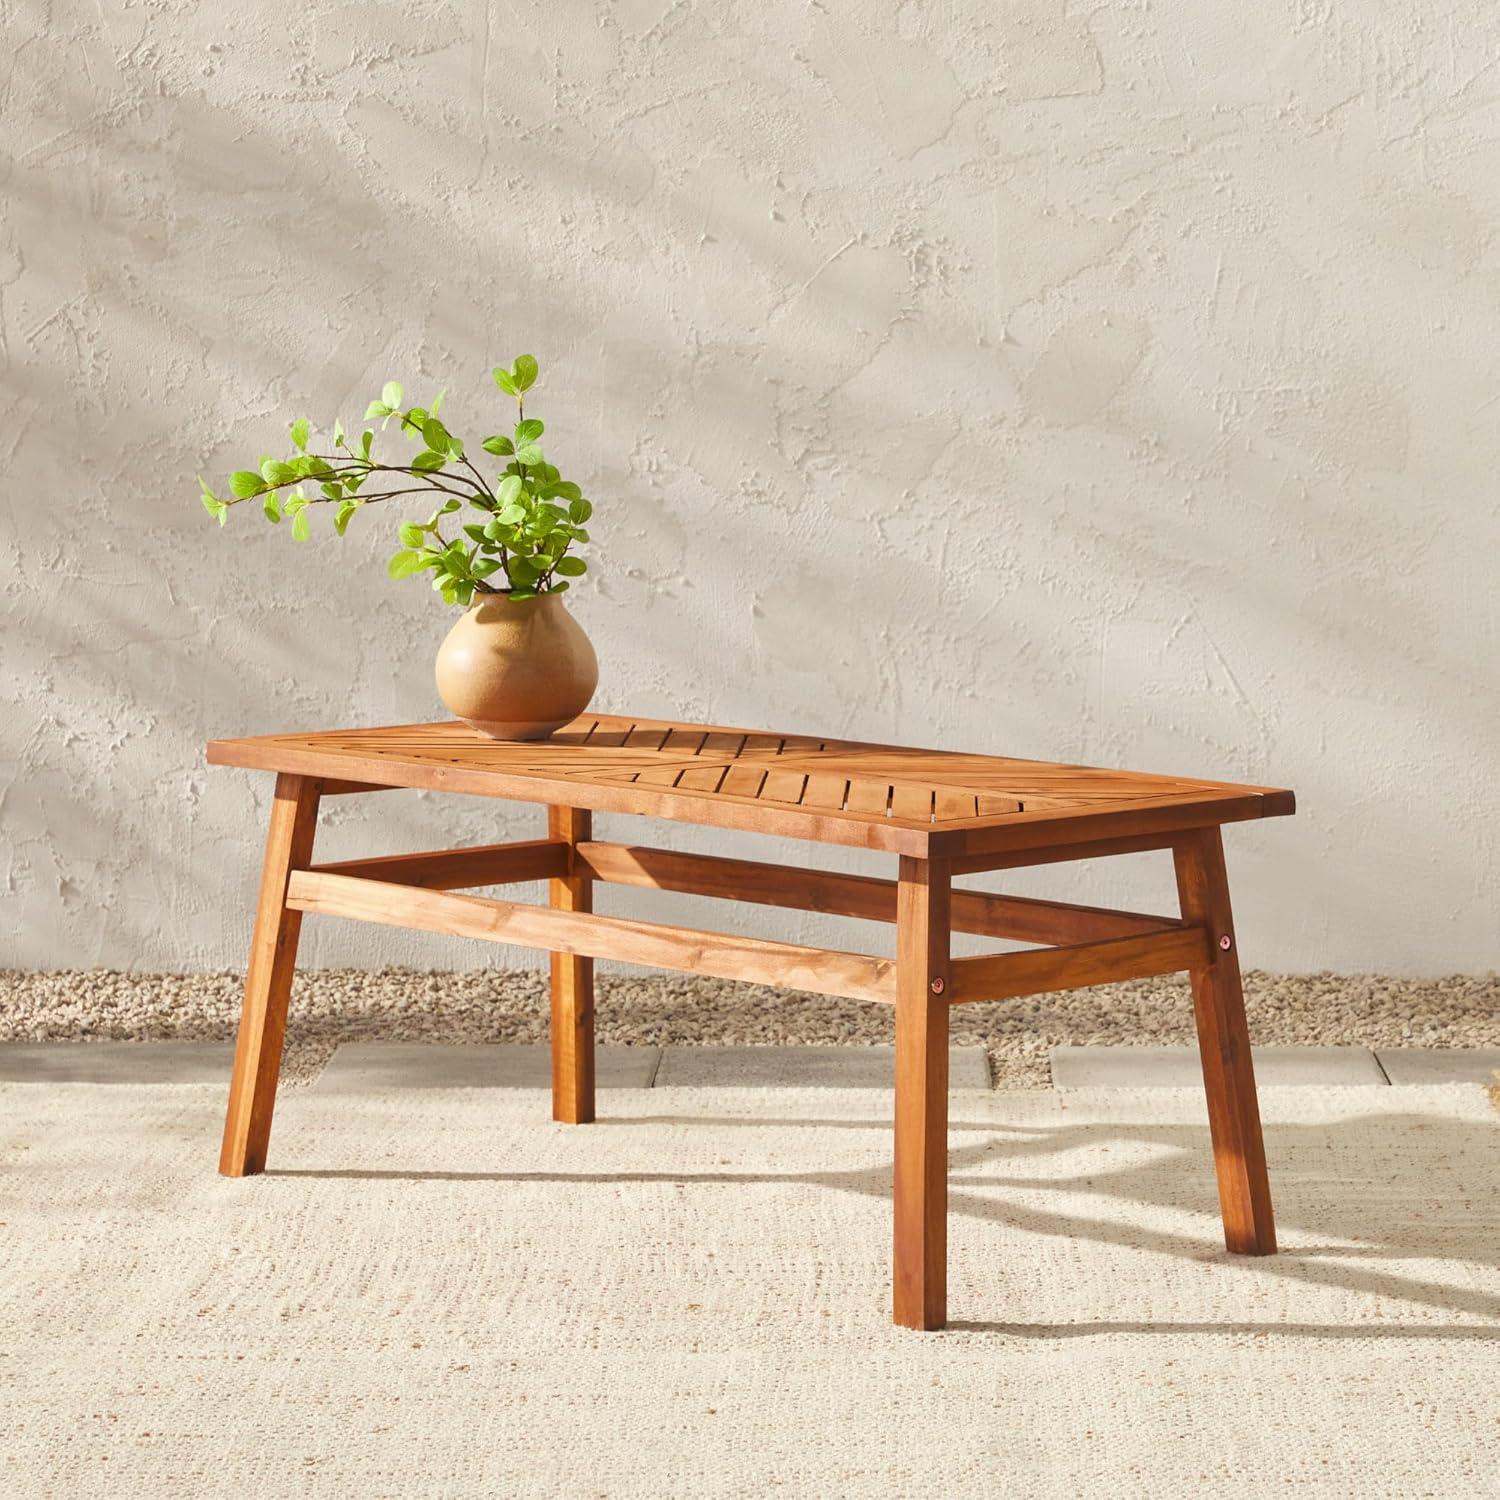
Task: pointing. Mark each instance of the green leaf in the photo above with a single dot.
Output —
(338, 433)
(505, 380)
(523, 593)
(485, 568)
(272, 508)
(332, 491)
(528, 453)
(428, 462)
(524, 372)
(567, 490)
(498, 445)
(476, 532)
(301, 526)
(446, 508)
(413, 535)
(343, 515)
(403, 564)
(215, 507)
(523, 571)
(580, 510)
(300, 429)
(245, 482)
(437, 401)
(435, 435)
(377, 409)
(364, 443)
(392, 392)
(529, 430)
(572, 567)
(509, 489)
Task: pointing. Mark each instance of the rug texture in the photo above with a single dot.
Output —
(445, 1294)
(330, 1006)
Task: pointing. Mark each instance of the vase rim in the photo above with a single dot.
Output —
(500, 596)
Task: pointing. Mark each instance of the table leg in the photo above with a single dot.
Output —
(921, 1172)
(572, 984)
(1224, 1045)
(268, 979)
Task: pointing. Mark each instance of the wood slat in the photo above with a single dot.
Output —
(720, 955)
(702, 778)
(869, 797)
(782, 786)
(1004, 976)
(824, 791)
(948, 804)
(911, 801)
(726, 745)
(743, 781)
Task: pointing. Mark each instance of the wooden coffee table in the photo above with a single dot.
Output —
(942, 814)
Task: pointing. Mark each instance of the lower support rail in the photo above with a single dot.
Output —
(822, 971)
(1037, 971)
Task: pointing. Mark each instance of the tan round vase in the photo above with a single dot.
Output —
(517, 669)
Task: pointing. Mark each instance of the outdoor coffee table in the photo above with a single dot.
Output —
(942, 814)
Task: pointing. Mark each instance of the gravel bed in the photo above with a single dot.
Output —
(339, 1005)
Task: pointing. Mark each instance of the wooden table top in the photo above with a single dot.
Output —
(920, 802)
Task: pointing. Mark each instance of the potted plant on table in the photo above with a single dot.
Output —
(516, 665)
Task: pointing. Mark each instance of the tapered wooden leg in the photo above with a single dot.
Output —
(1224, 1044)
(268, 980)
(572, 985)
(921, 1176)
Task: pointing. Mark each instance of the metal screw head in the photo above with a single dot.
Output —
(939, 985)
(1226, 942)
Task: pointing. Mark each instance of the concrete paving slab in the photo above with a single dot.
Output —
(1404, 1065)
(116, 1062)
(363, 1067)
(806, 1067)
(1178, 1067)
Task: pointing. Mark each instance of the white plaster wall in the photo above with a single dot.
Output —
(1114, 382)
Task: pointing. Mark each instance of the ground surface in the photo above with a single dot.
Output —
(352, 1005)
(440, 1292)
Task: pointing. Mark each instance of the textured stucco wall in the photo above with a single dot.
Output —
(1114, 382)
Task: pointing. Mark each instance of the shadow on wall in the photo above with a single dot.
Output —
(896, 433)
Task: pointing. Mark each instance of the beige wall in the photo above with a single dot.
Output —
(1112, 382)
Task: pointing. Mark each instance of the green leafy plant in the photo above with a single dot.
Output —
(529, 518)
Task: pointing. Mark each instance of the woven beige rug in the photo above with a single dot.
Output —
(444, 1294)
